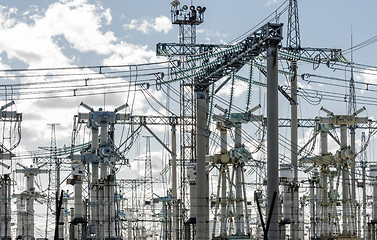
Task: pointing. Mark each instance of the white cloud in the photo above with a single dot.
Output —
(212, 36)
(31, 37)
(125, 53)
(80, 24)
(270, 2)
(159, 24)
(239, 88)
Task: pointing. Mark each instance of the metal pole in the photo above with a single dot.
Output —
(223, 202)
(104, 193)
(324, 173)
(174, 182)
(272, 138)
(294, 128)
(94, 187)
(373, 175)
(239, 219)
(343, 145)
(364, 165)
(312, 209)
(353, 228)
(30, 207)
(202, 219)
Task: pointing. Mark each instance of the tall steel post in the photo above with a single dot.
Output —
(223, 202)
(104, 193)
(239, 217)
(94, 223)
(272, 139)
(324, 176)
(364, 165)
(312, 209)
(353, 228)
(345, 177)
(175, 235)
(373, 175)
(202, 210)
(294, 44)
(294, 156)
(5, 207)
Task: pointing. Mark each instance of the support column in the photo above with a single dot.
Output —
(345, 183)
(94, 223)
(373, 176)
(272, 140)
(286, 176)
(175, 234)
(5, 207)
(223, 202)
(364, 166)
(312, 209)
(324, 176)
(294, 156)
(239, 218)
(202, 214)
(353, 228)
(105, 200)
(30, 207)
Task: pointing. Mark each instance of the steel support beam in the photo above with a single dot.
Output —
(272, 139)
(202, 214)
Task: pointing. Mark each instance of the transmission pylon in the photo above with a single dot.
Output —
(148, 186)
(351, 95)
(54, 181)
(293, 32)
(187, 18)
(294, 44)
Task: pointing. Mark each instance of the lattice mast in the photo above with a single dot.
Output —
(187, 18)
(294, 45)
(148, 186)
(54, 180)
(351, 107)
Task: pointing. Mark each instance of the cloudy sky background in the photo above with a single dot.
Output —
(69, 33)
(42, 34)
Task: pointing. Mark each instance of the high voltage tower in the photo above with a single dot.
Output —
(213, 186)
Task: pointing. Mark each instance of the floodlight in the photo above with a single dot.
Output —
(192, 8)
(185, 7)
(199, 8)
(203, 9)
(175, 3)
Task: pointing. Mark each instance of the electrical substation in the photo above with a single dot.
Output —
(226, 168)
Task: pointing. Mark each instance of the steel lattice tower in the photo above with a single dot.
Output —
(148, 185)
(54, 174)
(351, 95)
(294, 44)
(293, 29)
(187, 18)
